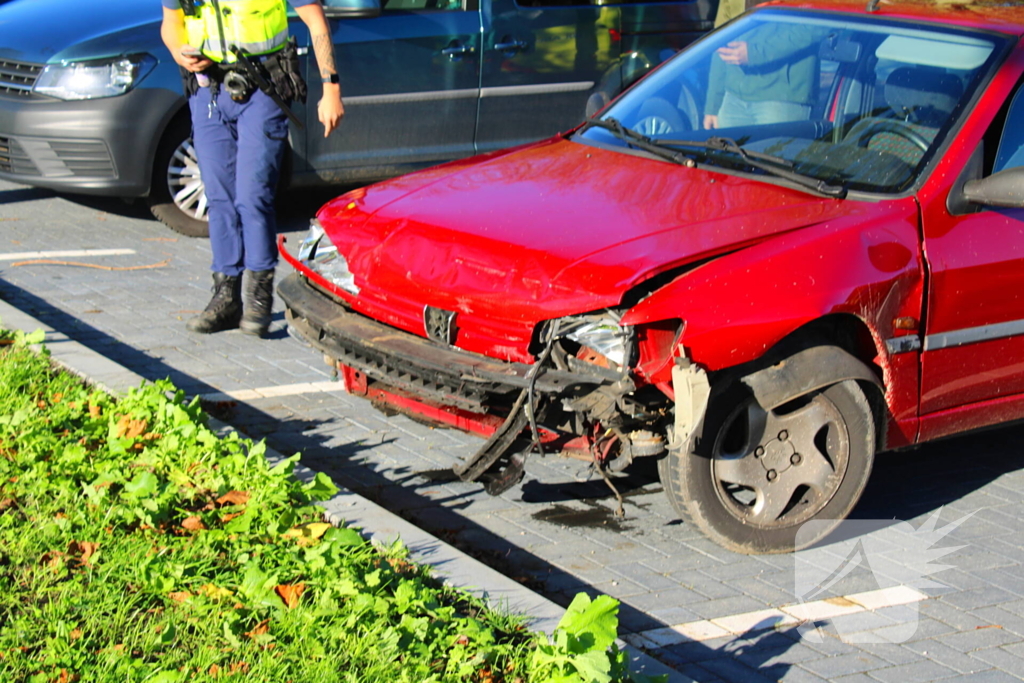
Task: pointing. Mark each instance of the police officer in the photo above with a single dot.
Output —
(240, 134)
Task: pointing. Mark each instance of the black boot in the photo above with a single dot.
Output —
(225, 308)
(259, 300)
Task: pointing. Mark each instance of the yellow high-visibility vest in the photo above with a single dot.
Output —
(258, 27)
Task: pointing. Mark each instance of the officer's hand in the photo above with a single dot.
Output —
(710, 122)
(331, 109)
(192, 59)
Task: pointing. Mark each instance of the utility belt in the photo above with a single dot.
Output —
(279, 70)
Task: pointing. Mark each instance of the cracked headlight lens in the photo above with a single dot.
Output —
(318, 253)
(93, 79)
(600, 333)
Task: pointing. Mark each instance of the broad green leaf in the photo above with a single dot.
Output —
(142, 485)
(597, 618)
(344, 536)
(321, 488)
(593, 667)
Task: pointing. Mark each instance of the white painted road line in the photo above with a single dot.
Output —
(18, 256)
(762, 620)
(273, 392)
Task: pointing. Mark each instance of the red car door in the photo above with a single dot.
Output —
(972, 364)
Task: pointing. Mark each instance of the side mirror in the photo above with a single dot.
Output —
(1005, 189)
(351, 9)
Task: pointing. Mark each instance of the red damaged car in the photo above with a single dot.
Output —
(794, 245)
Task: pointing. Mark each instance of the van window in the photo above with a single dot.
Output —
(583, 3)
(407, 5)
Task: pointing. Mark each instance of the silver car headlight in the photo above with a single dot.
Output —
(318, 253)
(600, 333)
(93, 79)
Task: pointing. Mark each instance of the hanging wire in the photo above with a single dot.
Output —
(531, 383)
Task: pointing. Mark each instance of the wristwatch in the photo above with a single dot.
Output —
(333, 78)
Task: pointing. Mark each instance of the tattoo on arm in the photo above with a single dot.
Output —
(324, 51)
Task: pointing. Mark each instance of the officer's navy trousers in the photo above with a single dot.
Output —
(240, 147)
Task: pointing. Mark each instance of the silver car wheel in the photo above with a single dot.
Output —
(185, 182)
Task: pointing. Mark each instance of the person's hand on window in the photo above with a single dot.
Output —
(734, 53)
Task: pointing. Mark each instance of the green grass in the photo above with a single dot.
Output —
(137, 545)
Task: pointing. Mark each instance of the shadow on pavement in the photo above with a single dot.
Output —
(906, 484)
(294, 206)
(24, 194)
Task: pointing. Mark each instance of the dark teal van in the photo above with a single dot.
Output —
(91, 103)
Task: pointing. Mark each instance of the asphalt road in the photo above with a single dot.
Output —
(107, 275)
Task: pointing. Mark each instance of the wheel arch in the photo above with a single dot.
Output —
(826, 351)
(176, 116)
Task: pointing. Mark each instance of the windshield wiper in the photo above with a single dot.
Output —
(639, 141)
(768, 163)
(765, 162)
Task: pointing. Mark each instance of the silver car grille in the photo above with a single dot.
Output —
(13, 158)
(55, 158)
(18, 78)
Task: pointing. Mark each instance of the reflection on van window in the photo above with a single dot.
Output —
(421, 5)
(859, 104)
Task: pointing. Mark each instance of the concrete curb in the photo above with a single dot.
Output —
(375, 522)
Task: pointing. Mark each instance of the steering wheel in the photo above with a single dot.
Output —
(895, 127)
(658, 117)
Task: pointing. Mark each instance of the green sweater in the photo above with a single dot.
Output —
(782, 65)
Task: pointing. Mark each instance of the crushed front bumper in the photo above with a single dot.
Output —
(420, 366)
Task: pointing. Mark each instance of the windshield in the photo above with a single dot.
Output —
(854, 103)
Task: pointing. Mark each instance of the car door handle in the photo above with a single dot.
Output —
(458, 50)
(511, 46)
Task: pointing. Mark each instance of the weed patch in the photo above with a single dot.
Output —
(137, 545)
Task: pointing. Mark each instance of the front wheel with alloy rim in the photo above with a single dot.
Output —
(772, 481)
(177, 197)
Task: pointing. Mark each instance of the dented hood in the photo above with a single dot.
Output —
(551, 229)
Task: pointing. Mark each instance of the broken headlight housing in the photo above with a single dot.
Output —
(318, 253)
(602, 340)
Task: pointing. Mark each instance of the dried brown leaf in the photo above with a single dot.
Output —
(179, 596)
(259, 629)
(192, 523)
(52, 558)
(234, 498)
(82, 551)
(290, 593)
(127, 427)
(95, 411)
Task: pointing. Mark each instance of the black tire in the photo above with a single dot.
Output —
(724, 487)
(177, 198)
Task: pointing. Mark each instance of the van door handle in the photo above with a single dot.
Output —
(457, 50)
(510, 46)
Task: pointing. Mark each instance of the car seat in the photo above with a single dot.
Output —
(920, 102)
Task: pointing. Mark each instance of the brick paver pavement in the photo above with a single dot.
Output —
(556, 532)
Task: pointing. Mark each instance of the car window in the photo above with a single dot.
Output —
(857, 102)
(392, 5)
(1010, 153)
